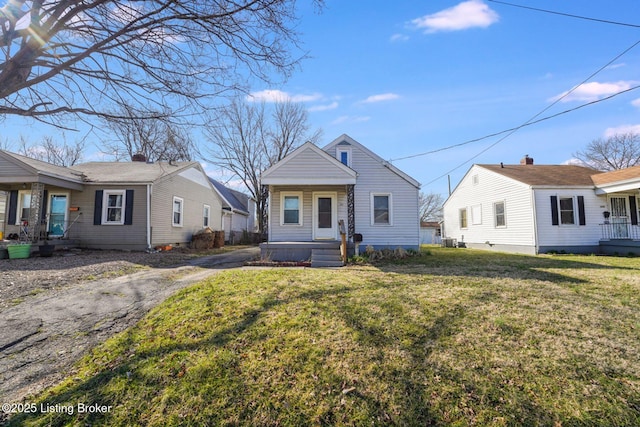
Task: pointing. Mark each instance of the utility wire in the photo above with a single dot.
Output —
(533, 120)
(624, 24)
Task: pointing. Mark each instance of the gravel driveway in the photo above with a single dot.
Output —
(52, 310)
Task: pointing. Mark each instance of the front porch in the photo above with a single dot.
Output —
(620, 238)
(320, 254)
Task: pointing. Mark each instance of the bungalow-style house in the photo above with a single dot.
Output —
(315, 193)
(238, 213)
(534, 209)
(107, 205)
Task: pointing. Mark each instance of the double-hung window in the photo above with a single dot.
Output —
(568, 210)
(178, 208)
(291, 208)
(206, 215)
(381, 209)
(113, 207)
(24, 206)
(499, 213)
(567, 215)
(462, 216)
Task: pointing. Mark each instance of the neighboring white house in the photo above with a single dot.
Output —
(533, 209)
(238, 212)
(313, 190)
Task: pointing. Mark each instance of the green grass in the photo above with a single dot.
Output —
(455, 337)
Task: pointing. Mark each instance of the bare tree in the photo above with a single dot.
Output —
(80, 57)
(245, 141)
(430, 206)
(619, 151)
(47, 150)
(156, 138)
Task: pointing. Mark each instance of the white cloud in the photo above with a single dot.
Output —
(326, 107)
(609, 132)
(380, 98)
(636, 102)
(350, 119)
(468, 14)
(593, 91)
(399, 38)
(275, 95)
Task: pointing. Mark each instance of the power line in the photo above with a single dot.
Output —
(531, 120)
(624, 24)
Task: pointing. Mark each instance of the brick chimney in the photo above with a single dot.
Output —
(526, 160)
(138, 157)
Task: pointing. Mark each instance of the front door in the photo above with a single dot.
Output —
(325, 223)
(619, 218)
(57, 214)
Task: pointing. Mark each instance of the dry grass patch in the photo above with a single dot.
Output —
(456, 337)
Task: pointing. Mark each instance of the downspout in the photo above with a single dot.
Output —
(149, 217)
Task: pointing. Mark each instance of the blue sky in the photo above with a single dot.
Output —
(418, 76)
(408, 77)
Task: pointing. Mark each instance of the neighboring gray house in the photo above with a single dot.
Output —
(533, 209)
(108, 205)
(313, 190)
(238, 212)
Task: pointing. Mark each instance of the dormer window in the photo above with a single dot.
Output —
(344, 156)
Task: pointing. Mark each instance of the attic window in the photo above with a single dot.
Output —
(475, 179)
(343, 154)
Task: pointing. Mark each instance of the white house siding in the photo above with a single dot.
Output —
(374, 177)
(308, 165)
(569, 238)
(304, 232)
(481, 187)
(195, 194)
(3, 209)
(132, 237)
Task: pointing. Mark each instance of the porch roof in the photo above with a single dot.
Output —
(619, 180)
(309, 165)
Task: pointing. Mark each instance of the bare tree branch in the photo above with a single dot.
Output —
(430, 206)
(79, 57)
(245, 141)
(619, 151)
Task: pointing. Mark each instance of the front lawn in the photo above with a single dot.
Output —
(454, 337)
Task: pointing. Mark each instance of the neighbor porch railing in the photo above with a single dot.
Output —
(620, 230)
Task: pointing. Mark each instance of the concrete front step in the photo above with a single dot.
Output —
(326, 258)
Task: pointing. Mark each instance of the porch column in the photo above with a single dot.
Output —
(350, 211)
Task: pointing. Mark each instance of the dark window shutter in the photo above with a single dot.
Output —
(581, 215)
(13, 207)
(634, 210)
(554, 210)
(128, 208)
(97, 208)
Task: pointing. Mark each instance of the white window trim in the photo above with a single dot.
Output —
(206, 214)
(504, 214)
(373, 216)
(574, 203)
(341, 150)
(105, 203)
(298, 194)
(173, 205)
(21, 194)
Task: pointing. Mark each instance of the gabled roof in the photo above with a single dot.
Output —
(232, 199)
(546, 175)
(346, 138)
(130, 172)
(308, 165)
